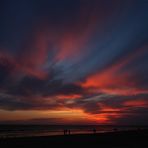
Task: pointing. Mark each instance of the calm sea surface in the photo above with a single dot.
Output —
(48, 130)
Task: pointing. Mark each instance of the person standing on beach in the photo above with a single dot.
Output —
(65, 131)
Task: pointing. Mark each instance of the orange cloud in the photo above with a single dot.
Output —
(79, 116)
(110, 112)
(100, 118)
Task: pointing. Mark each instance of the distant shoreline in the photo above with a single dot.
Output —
(124, 139)
(10, 131)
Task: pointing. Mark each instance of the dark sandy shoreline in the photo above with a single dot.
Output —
(122, 139)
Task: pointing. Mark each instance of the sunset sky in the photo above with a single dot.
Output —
(74, 61)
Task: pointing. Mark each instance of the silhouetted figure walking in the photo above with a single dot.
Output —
(65, 131)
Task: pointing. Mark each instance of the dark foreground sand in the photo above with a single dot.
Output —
(126, 139)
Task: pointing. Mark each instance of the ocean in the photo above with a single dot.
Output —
(50, 130)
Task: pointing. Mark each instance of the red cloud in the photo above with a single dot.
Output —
(113, 80)
(71, 96)
(136, 103)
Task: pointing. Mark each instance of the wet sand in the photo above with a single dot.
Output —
(119, 139)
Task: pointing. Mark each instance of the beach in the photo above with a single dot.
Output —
(117, 139)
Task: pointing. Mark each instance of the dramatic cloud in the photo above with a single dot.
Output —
(88, 56)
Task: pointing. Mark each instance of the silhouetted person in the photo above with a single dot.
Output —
(65, 131)
(94, 131)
